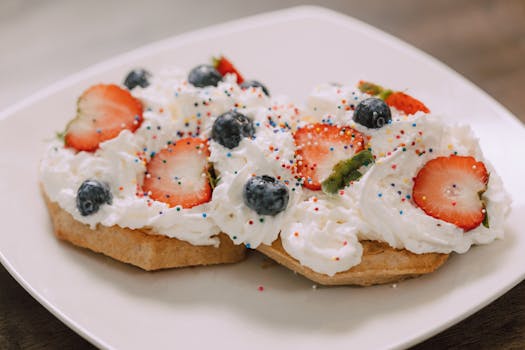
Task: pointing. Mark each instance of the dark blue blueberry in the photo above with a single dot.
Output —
(254, 83)
(91, 195)
(372, 113)
(265, 195)
(204, 75)
(137, 77)
(229, 129)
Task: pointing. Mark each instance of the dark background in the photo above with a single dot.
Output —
(43, 41)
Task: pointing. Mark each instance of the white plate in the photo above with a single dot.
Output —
(117, 306)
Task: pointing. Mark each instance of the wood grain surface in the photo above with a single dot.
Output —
(483, 40)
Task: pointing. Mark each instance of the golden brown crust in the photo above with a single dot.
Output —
(140, 248)
(380, 264)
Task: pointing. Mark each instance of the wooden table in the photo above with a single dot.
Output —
(483, 40)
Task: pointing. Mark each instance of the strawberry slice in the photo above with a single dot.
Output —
(320, 147)
(103, 111)
(396, 99)
(177, 175)
(224, 66)
(449, 189)
(405, 103)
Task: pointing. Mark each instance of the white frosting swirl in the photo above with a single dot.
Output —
(320, 235)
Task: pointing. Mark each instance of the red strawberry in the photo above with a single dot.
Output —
(177, 174)
(320, 147)
(449, 188)
(224, 66)
(103, 111)
(405, 103)
(396, 99)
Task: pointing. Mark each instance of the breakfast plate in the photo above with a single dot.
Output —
(255, 303)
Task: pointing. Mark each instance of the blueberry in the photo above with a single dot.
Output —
(229, 129)
(265, 195)
(204, 75)
(372, 113)
(137, 77)
(91, 195)
(254, 83)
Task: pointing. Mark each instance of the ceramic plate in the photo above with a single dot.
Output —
(117, 306)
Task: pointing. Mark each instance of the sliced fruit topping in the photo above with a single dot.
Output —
(372, 113)
(204, 75)
(103, 111)
(224, 66)
(320, 147)
(137, 77)
(229, 129)
(405, 103)
(91, 195)
(346, 171)
(255, 84)
(265, 195)
(450, 189)
(177, 175)
(213, 177)
(396, 99)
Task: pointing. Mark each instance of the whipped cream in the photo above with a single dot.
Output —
(270, 152)
(321, 231)
(321, 235)
(173, 109)
(386, 211)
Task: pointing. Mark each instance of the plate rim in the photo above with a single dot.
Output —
(261, 19)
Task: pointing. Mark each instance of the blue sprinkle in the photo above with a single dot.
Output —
(430, 150)
(248, 245)
(331, 149)
(400, 212)
(152, 154)
(228, 154)
(380, 195)
(204, 215)
(414, 125)
(408, 196)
